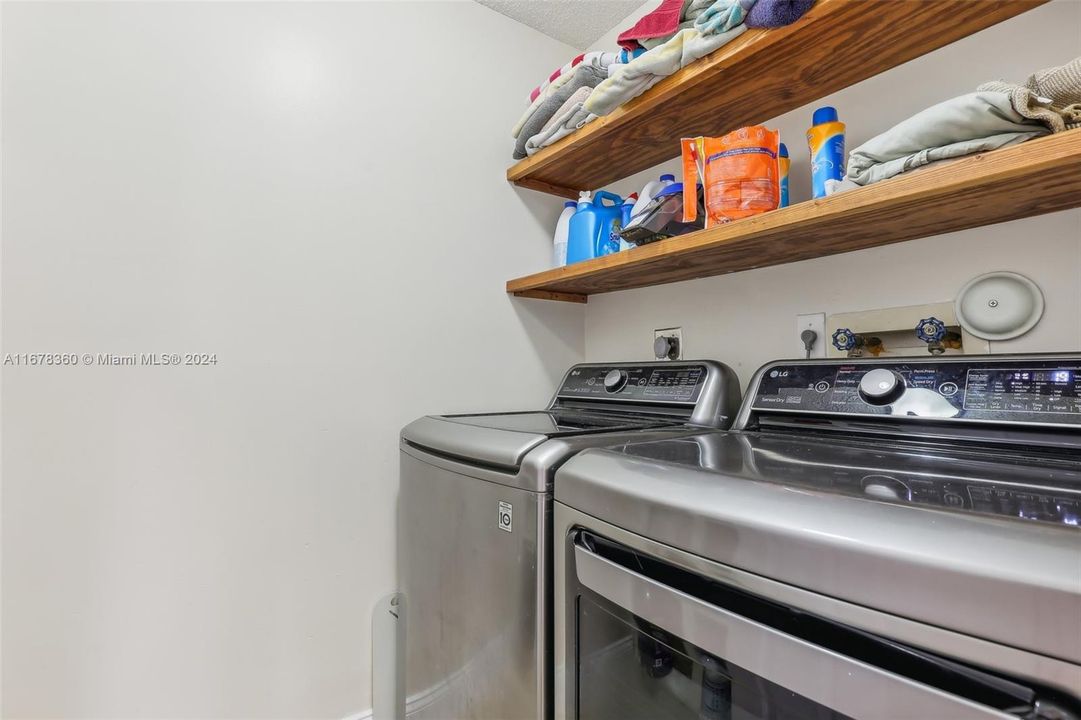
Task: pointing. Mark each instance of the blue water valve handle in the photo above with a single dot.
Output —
(931, 330)
(844, 339)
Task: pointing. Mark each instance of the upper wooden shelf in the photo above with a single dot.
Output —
(1036, 177)
(757, 76)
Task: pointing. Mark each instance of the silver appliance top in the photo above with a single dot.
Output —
(927, 490)
(595, 401)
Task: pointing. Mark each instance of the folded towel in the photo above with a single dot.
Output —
(724, 23)
(551, 88)
(561, 71)
(662, 21)
(960, 126)
(583, 76)
(722, 16)
(777, 13)
(570, 118)
(577, 98)
(598, 59)
(1052, 96)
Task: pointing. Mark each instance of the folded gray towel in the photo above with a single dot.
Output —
(584, 76)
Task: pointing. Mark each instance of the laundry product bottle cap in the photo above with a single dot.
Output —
(668, 177)
(782, 150)
(824, 114)
(570, 203)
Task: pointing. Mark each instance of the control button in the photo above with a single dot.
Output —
(822, 386)
(642, 382)
(615, 380)
(881, 386)
(591, 381)
(953, 499)
(948, 388)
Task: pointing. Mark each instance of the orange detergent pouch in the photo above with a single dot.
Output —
(739, 172)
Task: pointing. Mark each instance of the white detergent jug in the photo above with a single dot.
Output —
(650, 191)
(563, 230)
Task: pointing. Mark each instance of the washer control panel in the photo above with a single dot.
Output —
(1033, 390)
(673, 383)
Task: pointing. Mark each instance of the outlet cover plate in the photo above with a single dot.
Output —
(676, 332)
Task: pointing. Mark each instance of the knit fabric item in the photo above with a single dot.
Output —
(1051, 96)
(777, 13)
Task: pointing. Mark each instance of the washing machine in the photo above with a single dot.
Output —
(475, 526)
(872, 539)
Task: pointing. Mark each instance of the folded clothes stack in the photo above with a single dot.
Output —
(675, 34)
(997, 115)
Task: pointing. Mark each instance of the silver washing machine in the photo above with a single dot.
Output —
(475, 525)
(872, 539)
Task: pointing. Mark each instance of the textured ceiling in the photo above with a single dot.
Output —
(579, 23)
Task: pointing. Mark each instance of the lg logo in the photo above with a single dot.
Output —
(778, 373)
(506, 516)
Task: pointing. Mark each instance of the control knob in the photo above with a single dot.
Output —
(881, 386)
(615, 380)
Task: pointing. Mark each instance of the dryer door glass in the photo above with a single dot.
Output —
(657, 640)
(630, 669)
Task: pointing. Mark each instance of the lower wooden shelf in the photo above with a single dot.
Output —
(1036, 177)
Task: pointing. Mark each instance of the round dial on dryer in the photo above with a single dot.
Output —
(881, 386)
(615, 380)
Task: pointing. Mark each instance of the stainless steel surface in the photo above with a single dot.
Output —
(923, 564)
(850, 687)
(471, 596)
(930, 501)
(488, 446)
(1063, 676)
(476, 597)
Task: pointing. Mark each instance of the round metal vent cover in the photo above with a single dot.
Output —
(999, 305)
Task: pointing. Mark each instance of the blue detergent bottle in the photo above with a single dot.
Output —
(591, 228)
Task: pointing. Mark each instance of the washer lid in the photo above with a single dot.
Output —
(999, 305)
(503, 439)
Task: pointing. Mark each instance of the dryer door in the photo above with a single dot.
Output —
(654, 640)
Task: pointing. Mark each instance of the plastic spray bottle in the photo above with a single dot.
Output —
(826, 141)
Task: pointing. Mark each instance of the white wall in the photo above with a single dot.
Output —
(749, 318)
(315, 193)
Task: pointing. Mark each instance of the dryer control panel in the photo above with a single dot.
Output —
(1039, 390)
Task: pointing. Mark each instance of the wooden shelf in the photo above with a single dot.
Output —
(1036, 177)
(757, 76)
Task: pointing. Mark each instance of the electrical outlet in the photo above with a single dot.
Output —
(815, 322)
(675, 335)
